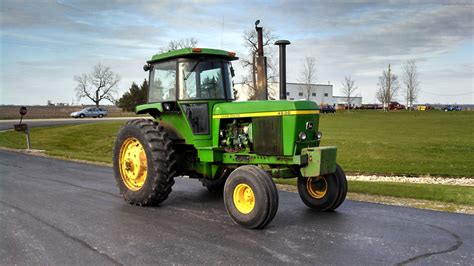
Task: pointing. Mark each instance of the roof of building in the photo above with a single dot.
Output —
(345, 97)
(193, 52)
(303, 84)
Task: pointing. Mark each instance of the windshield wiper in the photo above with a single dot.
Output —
(193, 68)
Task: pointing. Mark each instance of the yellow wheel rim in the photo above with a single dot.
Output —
(317, 187)
(244, 199)
(133, 164)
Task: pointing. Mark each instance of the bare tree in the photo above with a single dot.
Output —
(348, 90)
(388, 88)
(308, 75)
(180, 44)
(98, 85)
(250, 63)
(410, 79)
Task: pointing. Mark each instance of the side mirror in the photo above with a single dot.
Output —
(232, 72)
(147, 67)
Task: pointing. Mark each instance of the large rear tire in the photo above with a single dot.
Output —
(144, 163)
(251, 197)
(323, 193)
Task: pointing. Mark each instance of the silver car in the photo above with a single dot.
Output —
(90, 112)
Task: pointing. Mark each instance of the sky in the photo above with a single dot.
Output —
(44, 44)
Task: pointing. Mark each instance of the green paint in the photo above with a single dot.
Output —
(263, 106)
(321, 161)
(188, 52)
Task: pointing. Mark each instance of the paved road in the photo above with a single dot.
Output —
(8, 124)
(59, 212)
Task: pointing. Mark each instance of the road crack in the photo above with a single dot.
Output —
(62, 232)
(454, 247)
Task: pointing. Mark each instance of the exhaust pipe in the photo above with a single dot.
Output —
(282, 44)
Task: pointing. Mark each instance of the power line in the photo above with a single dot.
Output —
(459, 94)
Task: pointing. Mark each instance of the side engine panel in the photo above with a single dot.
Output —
(260, 135)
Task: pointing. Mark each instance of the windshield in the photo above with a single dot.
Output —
(205, 80)
(163, 82)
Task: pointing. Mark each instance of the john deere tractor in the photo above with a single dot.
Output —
(233, 148)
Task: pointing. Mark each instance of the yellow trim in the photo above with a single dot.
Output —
(274, 113)
(244, 198)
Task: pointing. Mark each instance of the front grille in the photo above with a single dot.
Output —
(267, 135)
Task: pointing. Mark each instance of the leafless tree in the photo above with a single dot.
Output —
(250, 62)
(308, 75)
(180, 44)
(388, 87)
(411, 82)
(348, 90)
(98, 85)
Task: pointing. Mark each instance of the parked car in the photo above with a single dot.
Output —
(328, 109)
(90, 112)
(396, 106)
(371, 106)
(450, 108)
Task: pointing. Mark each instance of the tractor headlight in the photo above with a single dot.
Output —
(302, 136)
(319, 136)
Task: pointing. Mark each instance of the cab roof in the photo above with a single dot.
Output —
(193, 52)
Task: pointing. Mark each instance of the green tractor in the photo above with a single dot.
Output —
(233, 148)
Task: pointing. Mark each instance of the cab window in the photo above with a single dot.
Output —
(202, 80)
(163, 82)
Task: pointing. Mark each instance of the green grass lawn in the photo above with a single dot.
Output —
(371, 142)
(402, 143)
(92, 142)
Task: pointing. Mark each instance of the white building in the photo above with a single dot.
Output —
(322, 94)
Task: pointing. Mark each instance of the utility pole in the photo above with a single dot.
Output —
(389, 84)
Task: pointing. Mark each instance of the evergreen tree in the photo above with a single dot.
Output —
(133, 97)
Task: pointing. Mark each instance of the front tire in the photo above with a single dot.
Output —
(144, 163)
(250, 197)
(81, 116)
(323, 193)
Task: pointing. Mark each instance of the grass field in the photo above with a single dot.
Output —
(402, 143)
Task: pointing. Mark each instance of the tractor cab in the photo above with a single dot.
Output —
(191, 81)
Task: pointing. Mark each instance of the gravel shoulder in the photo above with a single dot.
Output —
(461, 181)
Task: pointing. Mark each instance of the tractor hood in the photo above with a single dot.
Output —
(264, 108)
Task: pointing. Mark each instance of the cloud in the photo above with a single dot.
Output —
(346, 37)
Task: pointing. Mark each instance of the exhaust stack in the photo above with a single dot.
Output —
(282, 44)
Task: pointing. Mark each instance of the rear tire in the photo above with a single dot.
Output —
(144, 163)
(100, 116)
(251, 197)
(323, 193)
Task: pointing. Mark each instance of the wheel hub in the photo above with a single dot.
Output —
(244, 198)
(133, 164)
(317, 186)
